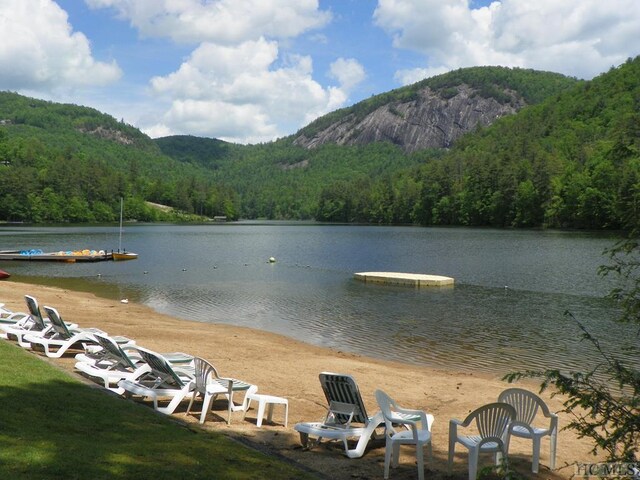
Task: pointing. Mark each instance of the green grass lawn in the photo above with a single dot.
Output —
(53, 426)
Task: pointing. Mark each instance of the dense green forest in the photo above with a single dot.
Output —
(570, 159)
(66, 163)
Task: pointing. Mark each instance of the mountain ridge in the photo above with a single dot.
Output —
(434, 112)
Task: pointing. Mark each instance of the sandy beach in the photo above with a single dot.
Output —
(287, 368)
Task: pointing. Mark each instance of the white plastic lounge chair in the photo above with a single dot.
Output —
(526, 425)
(9, 317)
(112, 365)
(209, 384)
(162, 381)
(396, 415)
(346, 417)
(56, 345)
(491, 434)
(34, 324)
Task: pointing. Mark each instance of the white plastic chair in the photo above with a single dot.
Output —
(396, 415)
(209, 384)
(527, 405)
(491, 434)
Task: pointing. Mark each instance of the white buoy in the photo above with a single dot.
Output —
(272, 260)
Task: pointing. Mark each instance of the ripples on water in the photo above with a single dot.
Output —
(505, 312)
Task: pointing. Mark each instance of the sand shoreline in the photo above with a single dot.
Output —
(288, 368)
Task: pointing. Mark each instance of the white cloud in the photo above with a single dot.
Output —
(235, 94)
(576, 37)
(40, 52)
(237, 84)
(348, 72)
(220, 21)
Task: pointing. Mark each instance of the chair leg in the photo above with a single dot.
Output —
(193, 397)
(395, 457)
(552, 452)
(387, 458)
(536, 455)
(246, 409)
(420, 461)
(473, 463)
(206, 406)
(452, 451)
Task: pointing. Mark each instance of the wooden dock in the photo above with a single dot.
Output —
(407, 279)
(67, 256)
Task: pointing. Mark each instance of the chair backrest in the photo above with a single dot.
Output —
(114, 351)
(526, 404)
(343, 388)
(203, 370)
(34, 312)
(492, 420)
(161, 368)
(386, 404)
(58, 325)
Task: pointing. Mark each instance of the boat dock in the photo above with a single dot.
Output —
(62, 256)
(407, 279)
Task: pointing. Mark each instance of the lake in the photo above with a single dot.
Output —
(505, 312)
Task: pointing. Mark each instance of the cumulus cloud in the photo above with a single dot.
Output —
(237, 84)
(576, 37)
(233, 92)
(40, 51)
(348, 72)
(219, 21)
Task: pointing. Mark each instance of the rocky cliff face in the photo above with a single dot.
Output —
(430, 121)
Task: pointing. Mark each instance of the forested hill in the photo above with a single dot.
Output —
(68, 163)
(569, 158)
(435, 112)
(572, 161)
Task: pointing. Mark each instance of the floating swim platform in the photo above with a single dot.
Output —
(408, 279)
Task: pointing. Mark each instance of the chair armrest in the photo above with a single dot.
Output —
(339, 408)
(553, 424)
(425, 419)
(224, 382)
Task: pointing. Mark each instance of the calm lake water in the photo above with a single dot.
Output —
(505, 312)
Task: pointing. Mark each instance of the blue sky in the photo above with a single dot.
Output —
(251, 71)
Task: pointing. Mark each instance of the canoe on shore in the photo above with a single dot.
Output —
(4, 275)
